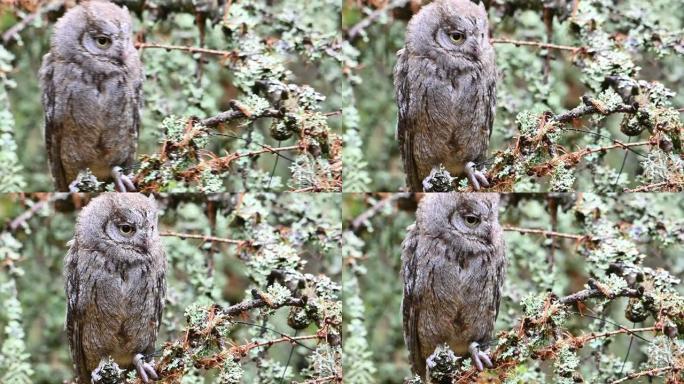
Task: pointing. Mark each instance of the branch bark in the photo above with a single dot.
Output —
(590, 293)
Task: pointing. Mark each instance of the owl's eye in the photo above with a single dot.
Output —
(471, 220)
(103, 41)
(126, 229)
(457, 37)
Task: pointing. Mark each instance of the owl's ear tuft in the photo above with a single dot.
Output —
(151, 199)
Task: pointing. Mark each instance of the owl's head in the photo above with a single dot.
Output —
(453, 31)
(96, 34)
(462, 216)
(121, 221)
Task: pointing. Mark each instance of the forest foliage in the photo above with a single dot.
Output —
(589, 95)
(238, 96)
(593, 290)
(254, 292)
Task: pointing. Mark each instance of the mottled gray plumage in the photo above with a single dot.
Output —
(445, 86)
(115, 284)
(453, 266)
(92, 94)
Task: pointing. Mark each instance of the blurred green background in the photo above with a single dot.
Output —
(651, 225)
(525, 84)
(184, 84)
(306, 232)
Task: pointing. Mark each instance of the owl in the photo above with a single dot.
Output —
(115, 284)
(92, 95)
(453, 267)
(445, 89)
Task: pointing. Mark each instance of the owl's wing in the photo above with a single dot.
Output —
(52, 127)
(75, 312)
(409, 304)
(500, 276)
(489, 113)
(161, 289)
(404, 133)
(137, 116)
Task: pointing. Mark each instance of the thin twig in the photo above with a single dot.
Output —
(590, 293)
(20, 220)
(259, 302)
(602, 136)
(546, 233)
(572, 158)
(185, 48)
(650, 372)
(618, 144)
(657, 187)
(13, 33)
(327, 379)
(214, 133)
(292, 339)
(535, 44)
(361, 219)
(203, 237)
(233, 114)
(590, 107)
(356, 30)
(622, 330)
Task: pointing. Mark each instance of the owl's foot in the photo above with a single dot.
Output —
(122, 182)
(479, 356)
(73, 186)
(106, 372)
(475, 177)
(145, 370)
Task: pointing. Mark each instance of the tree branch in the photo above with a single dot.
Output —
(665, 186)
(204, 238)
(259, 302)
(226, 54)
(360, 220)
(536, 44)
(354, 32)
(591, 106)
(12, 34)
(227, 116)
(546, 233)
(590, 293)
(650, 373)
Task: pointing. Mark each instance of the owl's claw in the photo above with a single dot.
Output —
(145, 370)
(475, 177)
(478, 356)
(73, 186)
(122, 183)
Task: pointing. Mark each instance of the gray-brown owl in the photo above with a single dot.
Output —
(453, 266)
(115, 284)
(92, 94)
(445, 87)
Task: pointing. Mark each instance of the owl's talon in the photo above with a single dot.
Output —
(122, 182)
(145, 370)
(475, 177)
(478, 357)
(73, 186)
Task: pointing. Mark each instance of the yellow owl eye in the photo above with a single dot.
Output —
(457, 37)
(126, 229)
(103, 41)
(471, 220)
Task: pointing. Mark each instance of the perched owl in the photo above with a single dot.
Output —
(445, 88)
(92, 94)
(453, 266)
(115, 284)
